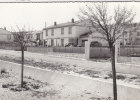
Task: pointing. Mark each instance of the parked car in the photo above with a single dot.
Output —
(70, 45)
(95, 44)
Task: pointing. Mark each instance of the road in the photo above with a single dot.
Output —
(79, 63)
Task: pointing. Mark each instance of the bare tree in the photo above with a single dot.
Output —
(110, 25)
(22, 38)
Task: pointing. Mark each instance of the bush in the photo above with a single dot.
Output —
(133, 77)
(3, 71)
(120, 77)
(5, 86)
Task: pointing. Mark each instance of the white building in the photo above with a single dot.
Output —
(63, 34)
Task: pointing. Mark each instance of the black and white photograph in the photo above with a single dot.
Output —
(69, 50)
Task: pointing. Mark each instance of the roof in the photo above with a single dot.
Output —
(85, 34)
(76, 23)
(61, 25)
(2, 31)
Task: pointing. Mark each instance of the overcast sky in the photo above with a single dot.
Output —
(34, 15)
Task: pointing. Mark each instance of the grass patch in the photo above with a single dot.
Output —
(133, 78)
(118, 76)
(90, 73)
(122, 77)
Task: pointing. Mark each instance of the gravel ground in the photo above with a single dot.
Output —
(46, 91)
(37, 90)
(70, 66)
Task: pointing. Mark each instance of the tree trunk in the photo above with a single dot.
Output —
(114, 72)
(22, 65)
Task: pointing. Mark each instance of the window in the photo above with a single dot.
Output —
(70, 30)
(46, 32)
(52, 32)
(138, 33)
(62, 31)
(62, 42)
(71, 40)
(52, 42)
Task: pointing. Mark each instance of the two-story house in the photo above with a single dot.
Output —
(64, 33)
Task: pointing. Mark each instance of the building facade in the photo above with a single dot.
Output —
(63, 34)
(80, 32)
(5, 36)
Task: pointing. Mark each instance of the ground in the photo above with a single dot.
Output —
(37, 90)
(100, 70)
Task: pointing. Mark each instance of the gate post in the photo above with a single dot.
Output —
(117, 50)
(87, 49)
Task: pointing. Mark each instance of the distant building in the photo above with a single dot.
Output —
(63, 34)
(39, 35)
(5, 36)
(130, 36)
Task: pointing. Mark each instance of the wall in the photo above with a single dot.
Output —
(4, 37)
(40, 49)
(95, 86)
(56, 49)
(128, 51)
(70, 49)
(57, 33)
(99, 52)
(95, 52)
(76, 32)
(81, 30)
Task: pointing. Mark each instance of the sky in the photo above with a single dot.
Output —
(34, 15)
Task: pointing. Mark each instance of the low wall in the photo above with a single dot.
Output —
(99, 52)
(123, 59)
(57, 49)
(69, 49)
(97, 87)
(40, 49)
(129, 51)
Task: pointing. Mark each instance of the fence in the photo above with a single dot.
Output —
(56, 49)
(99, 52)
(130, 51)
(40, 49)
(70, 49)
(104, 52)
(8, 46)
(95, 52)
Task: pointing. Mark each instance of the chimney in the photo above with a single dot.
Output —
(72, 20)
(55, 24)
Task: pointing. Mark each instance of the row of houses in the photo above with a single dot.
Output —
(74, 33)
(77, 32)
(7, 36)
